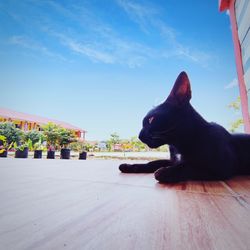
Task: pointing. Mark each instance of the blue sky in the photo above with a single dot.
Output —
(102, 64)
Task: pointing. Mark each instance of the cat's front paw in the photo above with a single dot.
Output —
(169, 175)
(126, 168)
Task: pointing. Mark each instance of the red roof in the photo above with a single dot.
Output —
(7, 113)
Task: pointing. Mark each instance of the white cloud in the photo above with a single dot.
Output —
(90, 52)
(232, 84)
(112, 50)
(98, 41)
(149, 17)
(138, 13)
(29, 44)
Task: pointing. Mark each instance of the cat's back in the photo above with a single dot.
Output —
(216, 132)
(241, 144)
(211, 141)
(241, 139)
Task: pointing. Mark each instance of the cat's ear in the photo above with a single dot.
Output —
(181, 92)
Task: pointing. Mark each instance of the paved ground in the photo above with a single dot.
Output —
(60, 204)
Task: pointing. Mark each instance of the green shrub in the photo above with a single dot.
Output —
(34, 135)
(65, 137)
(4, 144)
(12, 134)
(78, 146)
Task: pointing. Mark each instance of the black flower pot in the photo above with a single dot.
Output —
(83, 156)
(38, 154)
(4, 154)
(22, 153)
(65, 153)
(50, 154)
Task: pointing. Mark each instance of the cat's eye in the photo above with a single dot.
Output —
(150, 119)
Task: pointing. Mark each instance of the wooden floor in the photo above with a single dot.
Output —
(60, 204)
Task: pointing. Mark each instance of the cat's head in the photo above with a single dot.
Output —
(162, 124)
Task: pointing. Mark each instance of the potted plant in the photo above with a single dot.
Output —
(83, 155)
(51, 134)
(9, 130)
(38, 149)
(10, 135)
(65, 137)
(4, 147)
(51, 152)
(81, 148)
(22, 149)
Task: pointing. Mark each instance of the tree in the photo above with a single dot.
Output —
(137, 144)
(114, 139)
(50, 131)
(236, 106)
(56, 135)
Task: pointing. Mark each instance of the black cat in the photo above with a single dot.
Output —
(207, 151)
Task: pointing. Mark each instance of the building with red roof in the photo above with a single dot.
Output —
(28, 122)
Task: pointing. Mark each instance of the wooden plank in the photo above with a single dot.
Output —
(96, 171)
(90, 205)
(209, 187)
(129, 218)
(240, 185)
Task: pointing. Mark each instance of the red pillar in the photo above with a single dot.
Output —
(239, 68)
